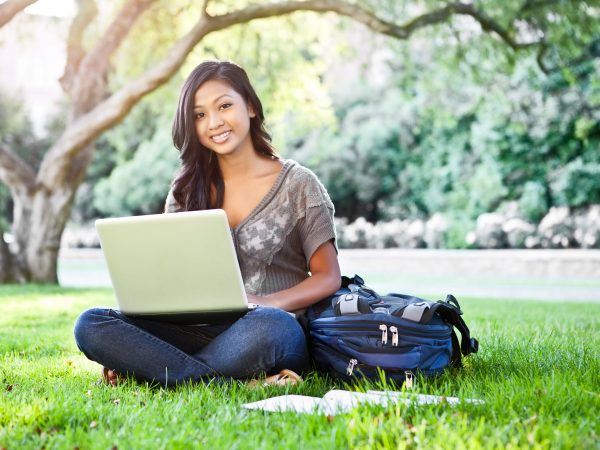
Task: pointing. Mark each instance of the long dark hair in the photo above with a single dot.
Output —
(199, 167)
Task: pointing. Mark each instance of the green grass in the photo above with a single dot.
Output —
(537, 371)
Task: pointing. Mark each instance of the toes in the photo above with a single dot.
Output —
(110, 377)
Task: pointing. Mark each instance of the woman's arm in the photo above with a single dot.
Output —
(325, 280)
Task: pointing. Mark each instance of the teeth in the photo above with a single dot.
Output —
(221, 137)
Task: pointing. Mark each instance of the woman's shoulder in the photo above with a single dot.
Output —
(304, 184)
(300, 174)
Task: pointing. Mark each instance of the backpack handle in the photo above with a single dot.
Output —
(351, 304)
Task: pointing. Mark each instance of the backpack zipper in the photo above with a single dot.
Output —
(383, 328)
(353, 362)
(408, 379)
(368, 325)
(394, 331)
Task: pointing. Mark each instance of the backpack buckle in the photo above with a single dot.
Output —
(347, 304)
(414, 312)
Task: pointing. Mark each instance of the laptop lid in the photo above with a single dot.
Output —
(173, 265)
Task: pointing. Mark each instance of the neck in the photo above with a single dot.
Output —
(239, 165)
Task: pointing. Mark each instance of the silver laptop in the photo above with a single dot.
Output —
(180, 267)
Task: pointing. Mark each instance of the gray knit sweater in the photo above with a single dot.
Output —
(276, 241)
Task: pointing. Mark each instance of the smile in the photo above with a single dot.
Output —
(219, 138)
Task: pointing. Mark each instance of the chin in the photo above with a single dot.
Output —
(224, 151)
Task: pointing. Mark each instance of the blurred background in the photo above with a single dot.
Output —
(469, 126)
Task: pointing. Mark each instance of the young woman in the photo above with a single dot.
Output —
(281, 221)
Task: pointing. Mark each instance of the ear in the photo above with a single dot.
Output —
(251, 111)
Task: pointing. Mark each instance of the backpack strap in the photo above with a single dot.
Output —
(356, 281)
(354, 302)
(449, 310)
(415, 312)
(350, 304)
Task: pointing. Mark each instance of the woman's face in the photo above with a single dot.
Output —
(222, 118)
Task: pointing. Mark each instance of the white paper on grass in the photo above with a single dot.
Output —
(335, 401)
(338, 401)
(423, 399)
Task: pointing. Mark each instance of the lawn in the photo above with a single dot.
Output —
(538, 371)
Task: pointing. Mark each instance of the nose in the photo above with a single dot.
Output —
(214, 121)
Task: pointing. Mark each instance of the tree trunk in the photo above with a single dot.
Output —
(7, 262)
(38, 232)
(40, 219)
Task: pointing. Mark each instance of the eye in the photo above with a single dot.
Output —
(226, 105)
(198, 115)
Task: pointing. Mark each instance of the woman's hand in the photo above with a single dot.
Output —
(324, 281)
(254, 298)
(260, 299)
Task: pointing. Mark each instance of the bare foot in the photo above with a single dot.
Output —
(110, 376)
(283, 378)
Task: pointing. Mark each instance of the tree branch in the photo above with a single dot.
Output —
(490, 25)
(204, 6)
(11, 8)
(90, 82)
(86, 12)
(108, 113)
(366, 17)
(15, 173)
(540, 59)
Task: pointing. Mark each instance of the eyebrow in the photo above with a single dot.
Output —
(216, 100)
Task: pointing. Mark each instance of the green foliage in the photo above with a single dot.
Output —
(537, 374)
(13, 120)
(459, 227)
(451, 120)
(17, 135)
(118, 147)
(4, 208)
(140, 185)
(364, 161)
(467, 131)
(577, 184)
(532, 202)
(17, 132)
(480, 192)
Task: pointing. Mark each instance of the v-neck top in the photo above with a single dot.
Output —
(275, 242)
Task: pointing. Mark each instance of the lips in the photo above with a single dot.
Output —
(221, 137)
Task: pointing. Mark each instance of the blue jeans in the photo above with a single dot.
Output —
(265, 340)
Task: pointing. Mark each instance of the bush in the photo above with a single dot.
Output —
(458, 233)
(80, 236)
(435, 231)
(358, 234)
(556, 228)
(506, 228)
(517, 232)
(489, 232)
(577, 184)
(533, 204)
(587, 228)
(140, 185)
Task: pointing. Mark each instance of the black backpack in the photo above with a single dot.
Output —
(357, 333)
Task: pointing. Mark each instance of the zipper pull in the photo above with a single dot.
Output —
(394, 331)
(408, 379)
(383, 328)
(350, 369)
